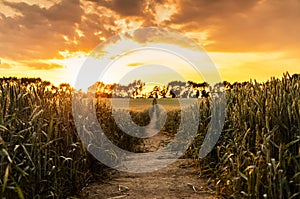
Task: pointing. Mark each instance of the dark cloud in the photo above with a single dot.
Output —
(134, 10)
(128, 7)
(124, 7)
(37, 33)
(66, 11)
(209, 10)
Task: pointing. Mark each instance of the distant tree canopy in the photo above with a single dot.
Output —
(26, 80)
(23, 80)
(198, 85)
(135, 89)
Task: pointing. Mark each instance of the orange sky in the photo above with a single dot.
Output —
(245, 39)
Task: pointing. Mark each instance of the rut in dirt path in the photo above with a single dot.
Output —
(169, 177)
(157, 156)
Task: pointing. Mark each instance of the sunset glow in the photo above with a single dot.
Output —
(245, 39)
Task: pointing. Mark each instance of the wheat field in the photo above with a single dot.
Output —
(257, 155)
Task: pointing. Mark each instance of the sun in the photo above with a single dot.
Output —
(71, 63)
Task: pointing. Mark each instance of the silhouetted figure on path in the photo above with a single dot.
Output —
(154, 102)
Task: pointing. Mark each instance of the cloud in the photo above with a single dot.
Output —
(5, 66)
(40, 65)
(241, 26)
(148, 12)
(66, 11)
(269, 26)
(135, 64)
(41, 33)
(202, 11)
(37, 33)
(125, 7)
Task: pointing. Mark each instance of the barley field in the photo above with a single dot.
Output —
(257, 155)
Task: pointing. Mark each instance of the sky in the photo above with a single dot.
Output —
(51, 39)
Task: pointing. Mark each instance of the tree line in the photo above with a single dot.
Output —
(136, 88)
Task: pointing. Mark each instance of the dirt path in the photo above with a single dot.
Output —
(177, 180)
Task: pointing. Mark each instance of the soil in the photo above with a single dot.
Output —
(177, 180)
